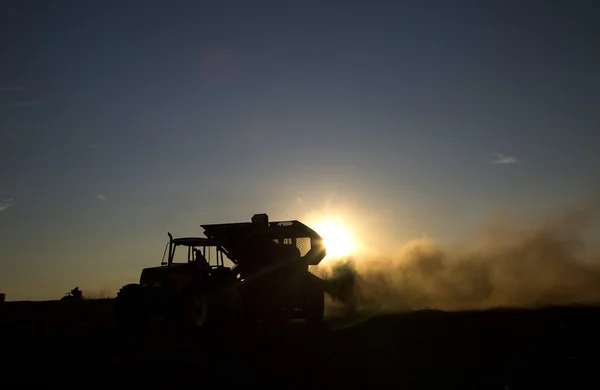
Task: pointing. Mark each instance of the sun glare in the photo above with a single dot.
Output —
(337, 239)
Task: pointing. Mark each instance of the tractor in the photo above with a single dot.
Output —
(241, 272)
(74, 295)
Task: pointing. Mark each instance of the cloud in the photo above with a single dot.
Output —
(101, 197)
(500, 158)
(25, 103)
(11, 88)
(6, 203)
(97, 145)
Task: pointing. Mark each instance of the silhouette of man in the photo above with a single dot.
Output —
(76, 292)
(201, 259)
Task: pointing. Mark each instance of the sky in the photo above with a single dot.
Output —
(121, 121)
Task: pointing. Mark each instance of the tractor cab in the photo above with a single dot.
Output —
(201, 251)
(185, 261)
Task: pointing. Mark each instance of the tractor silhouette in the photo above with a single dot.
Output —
(74, 295)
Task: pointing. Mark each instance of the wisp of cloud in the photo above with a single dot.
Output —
(500, 158)
(6, 203)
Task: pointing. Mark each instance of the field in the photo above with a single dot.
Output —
(75, 342)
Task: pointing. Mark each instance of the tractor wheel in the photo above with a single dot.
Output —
(130, 316)
(195, 311)
(200, 311)
(314, 308)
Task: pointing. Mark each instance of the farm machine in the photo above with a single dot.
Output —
(247, 271)
(74, 295)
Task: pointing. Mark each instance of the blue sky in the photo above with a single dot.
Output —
(120, 121)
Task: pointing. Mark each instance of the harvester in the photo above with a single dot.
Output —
(248, 271)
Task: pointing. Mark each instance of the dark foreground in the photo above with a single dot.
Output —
(56, 343)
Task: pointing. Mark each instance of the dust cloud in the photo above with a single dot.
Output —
(505, 264)
(98, 293)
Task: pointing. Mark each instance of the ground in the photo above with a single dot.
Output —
(75, 342)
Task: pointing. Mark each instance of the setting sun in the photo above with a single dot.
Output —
(337, 239)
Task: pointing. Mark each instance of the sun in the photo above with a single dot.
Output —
(337, 239)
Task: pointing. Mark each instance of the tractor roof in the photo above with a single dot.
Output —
(195, 241)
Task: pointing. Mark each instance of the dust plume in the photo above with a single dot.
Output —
(98, 293)
(505, 265)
